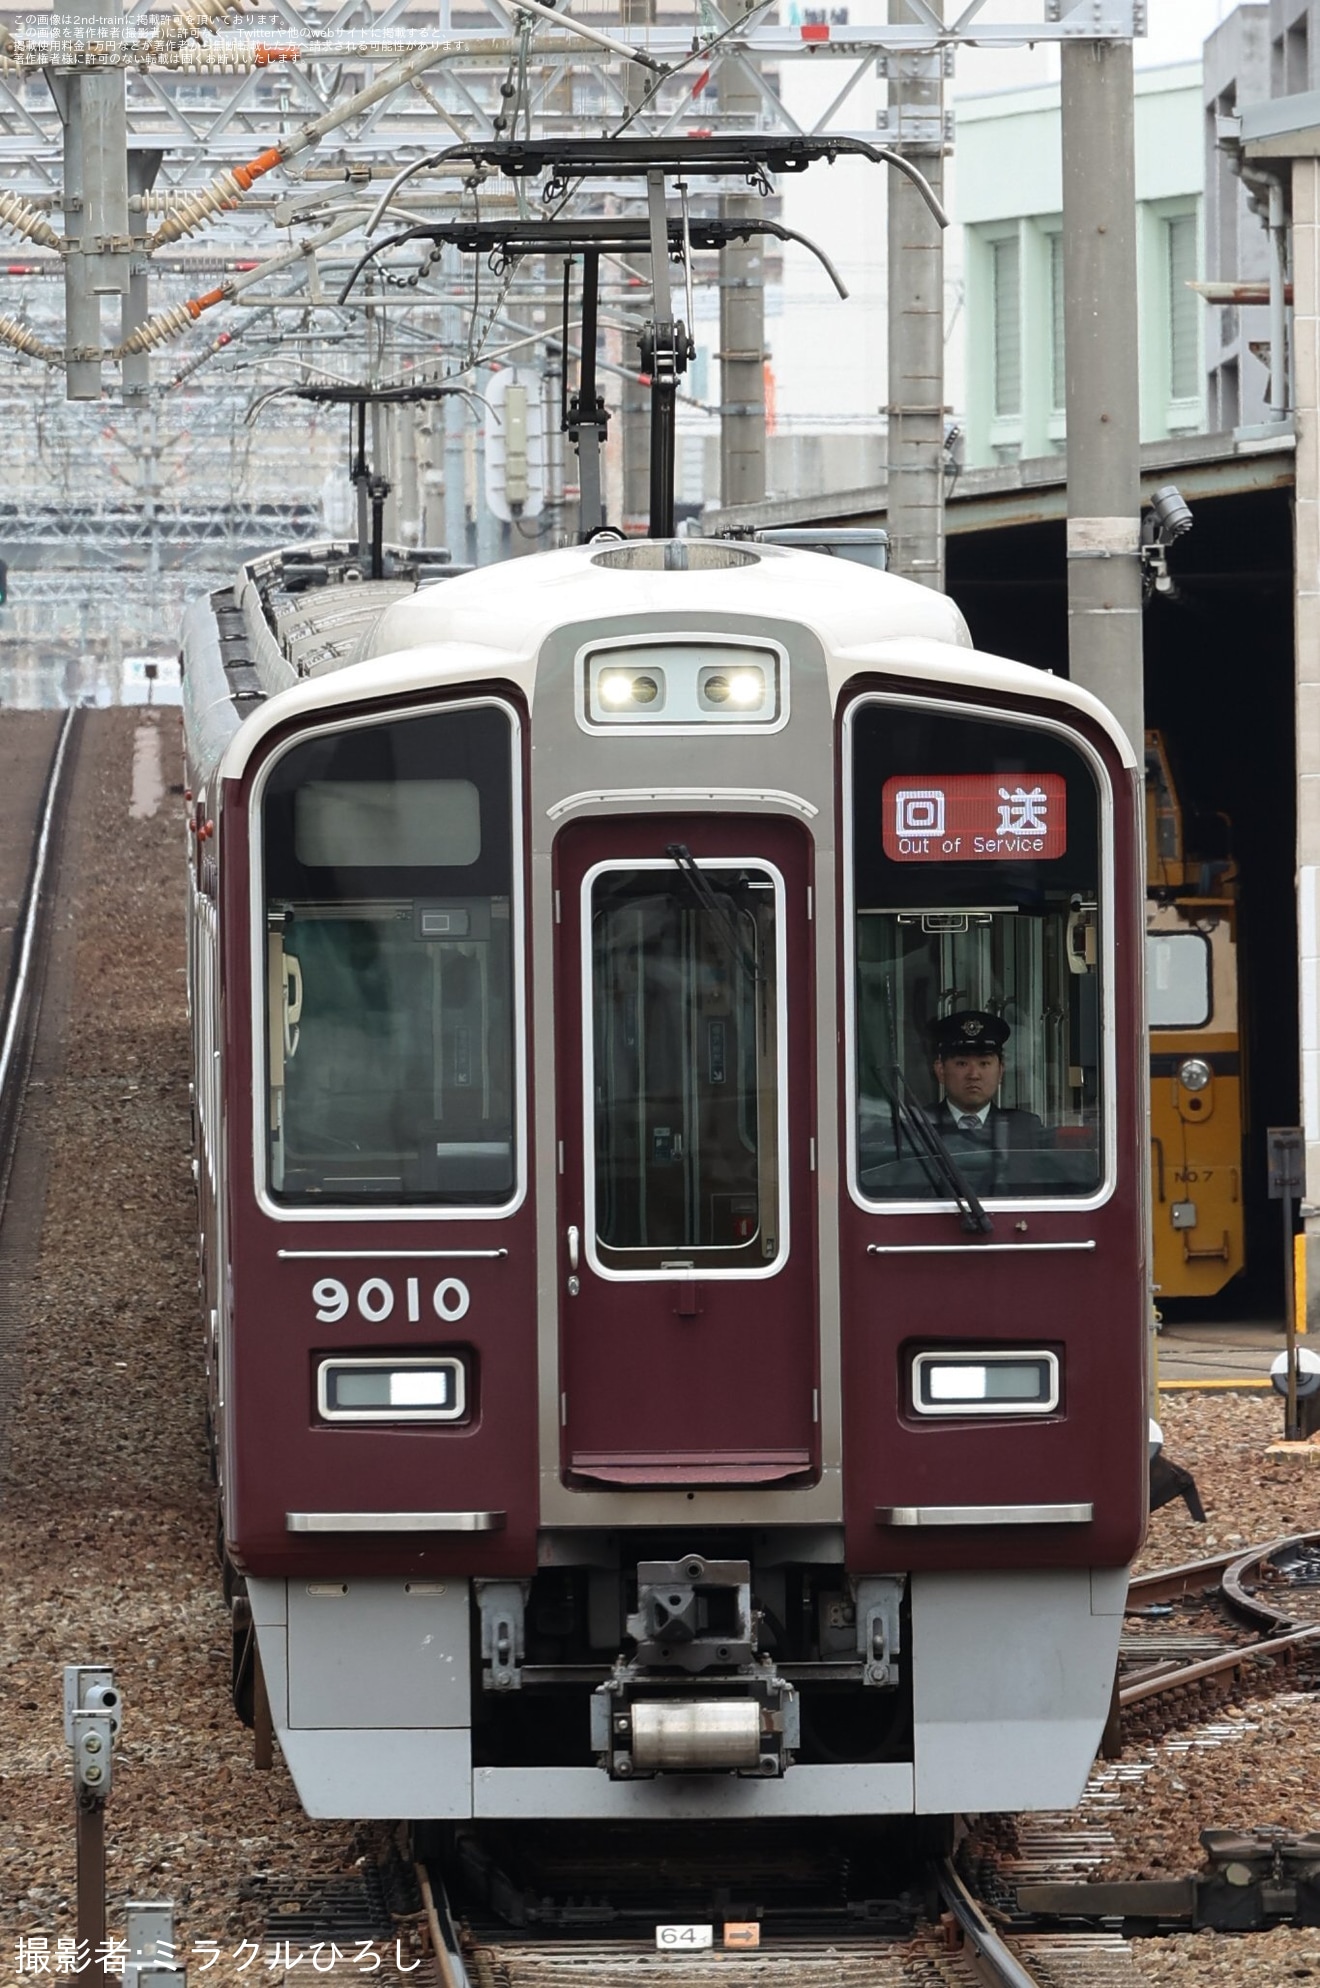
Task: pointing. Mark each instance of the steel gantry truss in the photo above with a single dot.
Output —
(187, 188)
(264, 141)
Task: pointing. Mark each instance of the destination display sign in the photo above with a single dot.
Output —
(975, 817)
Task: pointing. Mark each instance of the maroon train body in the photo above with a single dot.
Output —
(631, 1398)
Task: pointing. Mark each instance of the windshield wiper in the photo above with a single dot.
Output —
(938, 1163)
(688, 868)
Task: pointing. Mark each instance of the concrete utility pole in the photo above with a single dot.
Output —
(635, 399)
(406, 495)
(916, 317)
(742, 318)
(431, 471)
(1306, 627)
(1100, 335)
(456, 420)
(135, 367)
(98, 259)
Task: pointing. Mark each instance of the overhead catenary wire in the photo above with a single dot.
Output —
(169, 323)
(221, 342)
(193, 210)
(588, 33)
(226, 190)
(698, 52)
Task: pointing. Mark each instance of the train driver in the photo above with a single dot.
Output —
(969, 1064)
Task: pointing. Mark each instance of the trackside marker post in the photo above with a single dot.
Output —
(149, 1937)
(1287, 1179)
(92, 1712)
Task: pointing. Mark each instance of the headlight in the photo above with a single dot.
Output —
(744, 689)
(985, 1383)
(680, 683)
(405, 1388)
(1194, 1074)
(620, 689)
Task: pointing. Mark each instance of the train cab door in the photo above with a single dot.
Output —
(688, 1317)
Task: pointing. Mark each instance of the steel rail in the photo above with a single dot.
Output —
(1253, 1607)
(1280, 1633)
(445, 1948)
(20, 1002)
(1234, 1659)
(1168, 1583)
(19, 989)
(1000, 1967)
(1227, 1571)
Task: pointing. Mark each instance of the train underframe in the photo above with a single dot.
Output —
(649, 1678)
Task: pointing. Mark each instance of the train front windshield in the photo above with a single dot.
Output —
(976, 920)
(685, 1065)
(388, 853)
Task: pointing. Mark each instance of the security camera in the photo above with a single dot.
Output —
(1168, 518)
(1173, 517)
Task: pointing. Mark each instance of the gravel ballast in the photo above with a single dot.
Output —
(106, 1504)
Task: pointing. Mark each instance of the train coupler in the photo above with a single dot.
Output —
(693, 1613)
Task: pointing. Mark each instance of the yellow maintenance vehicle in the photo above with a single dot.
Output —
(1197, 1081)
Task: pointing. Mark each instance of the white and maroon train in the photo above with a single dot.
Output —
(628, 1402)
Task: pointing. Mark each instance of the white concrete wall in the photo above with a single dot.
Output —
(1008, 179)
(829, 358)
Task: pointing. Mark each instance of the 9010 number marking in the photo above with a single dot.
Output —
(377, 1300)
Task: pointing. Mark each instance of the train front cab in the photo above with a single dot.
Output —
(621, 1419)
(992, 868)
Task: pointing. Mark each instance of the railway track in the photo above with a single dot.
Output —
(22, 994)
(1274, 1588)
(969, 1942)
(953, 1944)
(992, 1961)
(1232, 1573)
(1041, 1883)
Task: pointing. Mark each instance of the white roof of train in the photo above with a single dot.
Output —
(515, 605)
(493, 622)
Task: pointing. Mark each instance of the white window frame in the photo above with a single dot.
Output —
(1184, 410)
(1058, 1203)
(354, 1212)
(615, 865)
